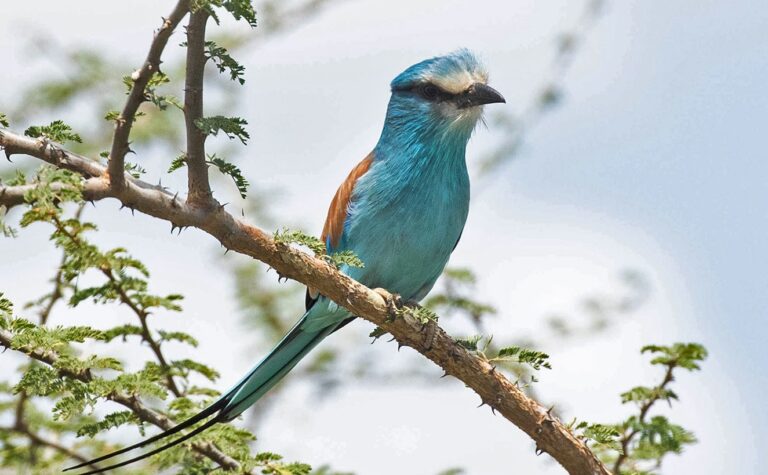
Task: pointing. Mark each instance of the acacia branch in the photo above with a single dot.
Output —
(131, 402)
(197, 169)
(137, 95)
(549, 434)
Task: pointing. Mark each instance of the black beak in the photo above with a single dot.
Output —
(477, 95)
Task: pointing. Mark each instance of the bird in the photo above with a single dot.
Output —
(401, 211)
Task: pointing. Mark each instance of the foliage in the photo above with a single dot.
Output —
(338, 259)
(239, 9)
(56, 131)
(232, 127)
(640, 443)
(224, 61)
(223, 166)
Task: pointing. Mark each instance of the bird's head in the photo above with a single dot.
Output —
(448, 91)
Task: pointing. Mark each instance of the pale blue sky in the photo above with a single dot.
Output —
(656, 160)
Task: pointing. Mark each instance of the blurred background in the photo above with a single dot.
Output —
(619, 199)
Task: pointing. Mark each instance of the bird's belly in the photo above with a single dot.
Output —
(405, 248)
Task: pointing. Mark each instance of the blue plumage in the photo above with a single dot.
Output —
(402, 211)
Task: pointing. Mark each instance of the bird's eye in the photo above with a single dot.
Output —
(429, 91)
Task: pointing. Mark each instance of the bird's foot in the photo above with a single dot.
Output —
(396, 306)
(393, 301)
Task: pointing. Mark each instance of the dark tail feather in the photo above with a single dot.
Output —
(157, 450)
(210, 410)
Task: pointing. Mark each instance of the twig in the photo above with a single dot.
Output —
(197, 169)
(146, 335)
(137, 95)
(626, 439)
(494, 389)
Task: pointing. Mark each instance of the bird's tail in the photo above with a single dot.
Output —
(268, 372)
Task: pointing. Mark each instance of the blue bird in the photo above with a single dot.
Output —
(401, 211)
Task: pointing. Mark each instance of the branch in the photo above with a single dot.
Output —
(129, 401)
(199, 189)
(141, 77)
(146, 335)
(494, 388)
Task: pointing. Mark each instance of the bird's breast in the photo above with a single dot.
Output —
(404, 227)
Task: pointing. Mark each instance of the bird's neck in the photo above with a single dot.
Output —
(422, 145)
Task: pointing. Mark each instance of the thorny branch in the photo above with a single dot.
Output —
(494, 389)
(197, 169)
(137, 95)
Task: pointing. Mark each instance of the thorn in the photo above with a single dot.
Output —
(226, 250)
(221, 206)
(132, 212)
(391, 340)
(493, 410)
(122, 205)
(482, 403)
(549, 411)
(173, 227)
(7, 154)
(93, 203)
(445, 373)
(399, 345)
(242, 211)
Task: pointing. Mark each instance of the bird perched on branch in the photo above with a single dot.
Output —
(401, 211)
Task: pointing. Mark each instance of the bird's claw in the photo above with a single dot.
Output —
(393, 301)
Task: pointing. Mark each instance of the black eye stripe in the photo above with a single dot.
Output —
(428, 91)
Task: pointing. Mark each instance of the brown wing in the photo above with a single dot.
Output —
(337, 214)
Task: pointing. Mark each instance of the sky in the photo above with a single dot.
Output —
(655, 161)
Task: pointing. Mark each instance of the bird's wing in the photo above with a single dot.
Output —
(337, 216)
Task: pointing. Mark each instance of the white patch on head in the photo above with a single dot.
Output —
(460, 81)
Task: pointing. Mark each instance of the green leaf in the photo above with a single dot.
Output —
(469, 342)
(178, 162)
(134, 169)
(227, 168)
(603, 436)
(56, 131)
(112, 115)
(684, 355)
(287, 236)
(4, 120)
(177, 336)
(533, 358)
(224, 61)
(110, 421)
(346, 258)
(239, 9)
(232, 127)
(643, 394)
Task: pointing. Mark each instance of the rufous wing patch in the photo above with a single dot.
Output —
(337, 213)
